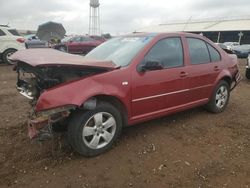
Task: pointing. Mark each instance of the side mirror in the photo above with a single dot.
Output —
(150, 65)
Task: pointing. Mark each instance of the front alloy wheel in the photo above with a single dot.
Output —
(99, 130)
(93, 132)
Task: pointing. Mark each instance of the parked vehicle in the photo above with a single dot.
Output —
(230, 45)
(32, 41)
(248, 67)
(124, 81)
(224, 47)
(242, 51)
(78, 45)
(10, 42)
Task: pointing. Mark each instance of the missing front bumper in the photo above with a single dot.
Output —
(40, 128)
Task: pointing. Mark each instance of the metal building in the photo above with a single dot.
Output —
(237, 30)
(94, 18)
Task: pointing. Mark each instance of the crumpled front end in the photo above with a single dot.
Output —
(40, 125)
(39, 83)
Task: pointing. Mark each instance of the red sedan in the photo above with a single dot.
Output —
(78, 45)
(124, 81)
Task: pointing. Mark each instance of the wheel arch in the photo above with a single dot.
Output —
(225, 76)
(4, 55)
(9, 49)
(227, 79)
(116, 102)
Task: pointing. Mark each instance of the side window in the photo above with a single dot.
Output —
(2, 33)
(168, 52)
(198, 51)
(76, 39)
(214, 54)
(87, 39)
(14, 32)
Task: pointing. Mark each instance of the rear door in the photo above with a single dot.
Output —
(156, 91)
(205, 65)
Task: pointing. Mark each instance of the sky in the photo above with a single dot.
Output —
(117, 17)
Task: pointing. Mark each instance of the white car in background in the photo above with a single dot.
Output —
(10, 42)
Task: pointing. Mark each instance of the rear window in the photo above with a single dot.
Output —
(2, 33)
(198, 51)
(214, 54)
(14, 32)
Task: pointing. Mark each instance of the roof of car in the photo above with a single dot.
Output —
(6, 27)
(145, 34)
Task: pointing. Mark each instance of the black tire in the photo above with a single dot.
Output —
(80, 121)
(213, 104)
(248, 73)
(6, 54)
(62, 49)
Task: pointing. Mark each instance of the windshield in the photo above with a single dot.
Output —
(120, 50)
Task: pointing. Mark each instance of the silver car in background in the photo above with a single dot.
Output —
(32, 41)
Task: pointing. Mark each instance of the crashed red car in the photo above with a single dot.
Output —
(127, 80)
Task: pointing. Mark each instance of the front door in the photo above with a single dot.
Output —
(157, 91)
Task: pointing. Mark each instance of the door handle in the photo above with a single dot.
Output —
(216, 68)
(183, 74)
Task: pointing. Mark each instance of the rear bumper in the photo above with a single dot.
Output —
(236, 80)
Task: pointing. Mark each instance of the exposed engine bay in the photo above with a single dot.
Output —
(38, 71)
(32, 81)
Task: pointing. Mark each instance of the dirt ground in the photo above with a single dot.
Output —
(190, 149)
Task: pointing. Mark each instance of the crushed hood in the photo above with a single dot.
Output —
(49, 57)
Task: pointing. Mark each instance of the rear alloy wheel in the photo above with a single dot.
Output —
(220, 98)
(6, 56)
(93, 132)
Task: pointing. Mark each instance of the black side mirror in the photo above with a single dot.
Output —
(149, 66)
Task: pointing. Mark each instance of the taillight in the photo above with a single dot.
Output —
(21, 40)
